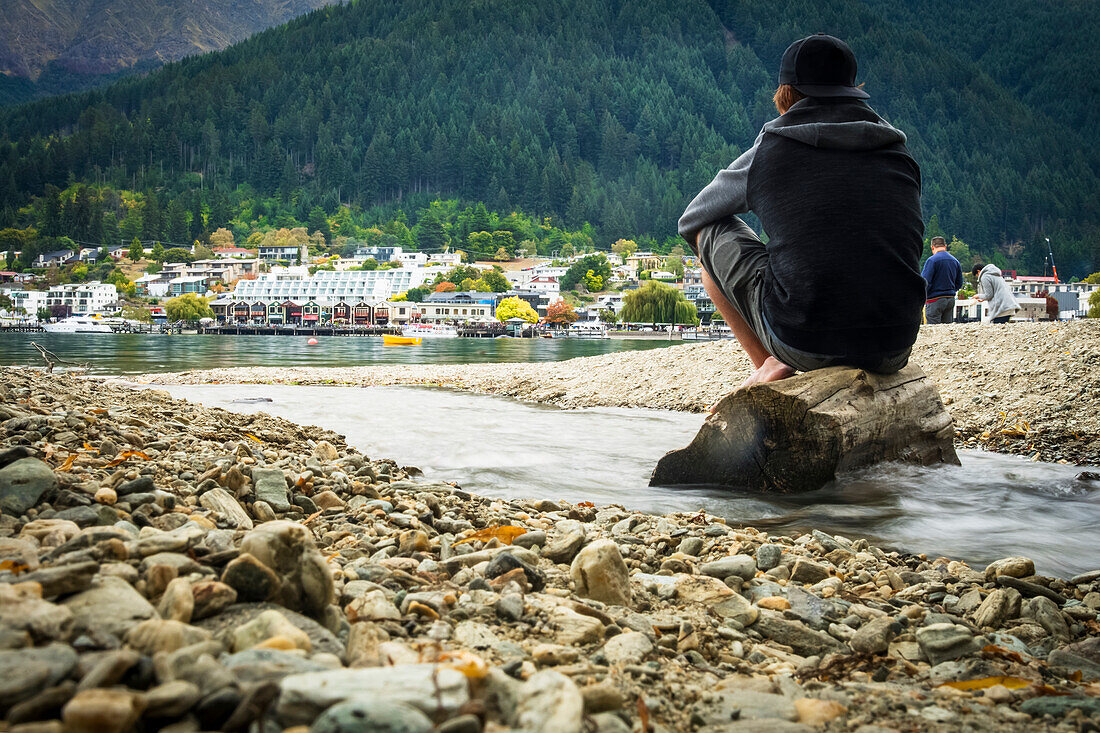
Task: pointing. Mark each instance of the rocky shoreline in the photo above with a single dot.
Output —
(167, 566)
(1031, 389)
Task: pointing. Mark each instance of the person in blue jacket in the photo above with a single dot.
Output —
(944, 276)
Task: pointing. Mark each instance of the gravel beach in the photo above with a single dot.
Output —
(1025, 388)
(166, 566)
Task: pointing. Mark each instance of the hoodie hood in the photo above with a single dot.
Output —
(847, 124)
(990, 270)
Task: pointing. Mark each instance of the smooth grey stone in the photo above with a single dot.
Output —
(22, 484)
(140, 485)
(1057, 707)
(426, 687)
(798, 636)
(83, 516)
(743, 566)
(943, 642)
(531, 539)
(371, 715)
(26, 672)
(269, 485)
(110, 606)
(767, 556)
(261, 665)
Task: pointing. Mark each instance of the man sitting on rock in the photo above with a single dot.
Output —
(837, 192)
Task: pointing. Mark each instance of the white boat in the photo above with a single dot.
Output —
(587, 330)
(79, 324)
(429, 330)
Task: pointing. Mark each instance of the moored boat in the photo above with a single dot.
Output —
(79, 324)
(429, 330)
(390, 339)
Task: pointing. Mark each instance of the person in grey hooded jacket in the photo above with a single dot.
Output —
(992, 288)
(838, 193)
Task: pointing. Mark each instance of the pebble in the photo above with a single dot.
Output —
(1013, 567)
(371, 715)
(426, 687)
(102, 711)
(598, 572)
(743, 566)
(942, 642)
(22, 484)
(549, 702)
(628, 648)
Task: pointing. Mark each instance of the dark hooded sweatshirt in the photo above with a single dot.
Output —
(838, 194)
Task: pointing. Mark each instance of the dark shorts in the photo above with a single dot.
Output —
(736, 260)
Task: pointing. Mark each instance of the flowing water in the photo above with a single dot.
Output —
(113, 354)
(991, 506)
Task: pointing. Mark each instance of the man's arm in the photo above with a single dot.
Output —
(958, 282)
(725, 196)
(926, 272)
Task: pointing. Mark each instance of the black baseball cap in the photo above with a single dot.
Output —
(821, 66)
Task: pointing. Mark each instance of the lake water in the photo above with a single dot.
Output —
(991, 506)
(139, 353)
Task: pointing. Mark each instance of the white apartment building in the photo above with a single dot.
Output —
(547, 270)
(548, 285)
(328, 285)
(451, 259)
(29, 300)
(406, 312)
(152, 285)
(411, 259)
(84, 298)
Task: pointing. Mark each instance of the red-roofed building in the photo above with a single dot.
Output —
(231, 252)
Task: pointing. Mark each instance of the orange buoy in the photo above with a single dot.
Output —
(311, 342)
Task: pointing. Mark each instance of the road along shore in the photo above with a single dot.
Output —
(170, 566)
(1026, 388)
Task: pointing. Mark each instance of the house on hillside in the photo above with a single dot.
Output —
(225, 253)
(58, 256)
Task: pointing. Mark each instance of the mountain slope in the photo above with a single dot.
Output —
(603, 111)
(59, 45)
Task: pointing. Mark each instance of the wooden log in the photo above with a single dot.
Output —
(797, 434)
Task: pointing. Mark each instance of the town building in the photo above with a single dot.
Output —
(187, 284)
(29, 300)
(225, 253)
(59, 256)
(152, 285)
(643, 261)
(446, 307)
(352, 286)
(378, 254)
(290, 253)
(84, 298)
(445, 259)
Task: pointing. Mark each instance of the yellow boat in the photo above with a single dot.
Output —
(390, 339)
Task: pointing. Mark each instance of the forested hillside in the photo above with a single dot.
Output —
(607, 112)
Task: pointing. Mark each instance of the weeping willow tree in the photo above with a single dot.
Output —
(655, 303)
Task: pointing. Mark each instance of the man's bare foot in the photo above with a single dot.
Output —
(772, 370)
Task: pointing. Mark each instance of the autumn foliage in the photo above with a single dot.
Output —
(561, 313)
(446, 287)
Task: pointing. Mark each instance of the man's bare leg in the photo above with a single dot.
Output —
(766, 368)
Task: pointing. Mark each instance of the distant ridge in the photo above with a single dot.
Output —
(53, 46)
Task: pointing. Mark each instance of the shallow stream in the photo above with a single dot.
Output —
(992, 506)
